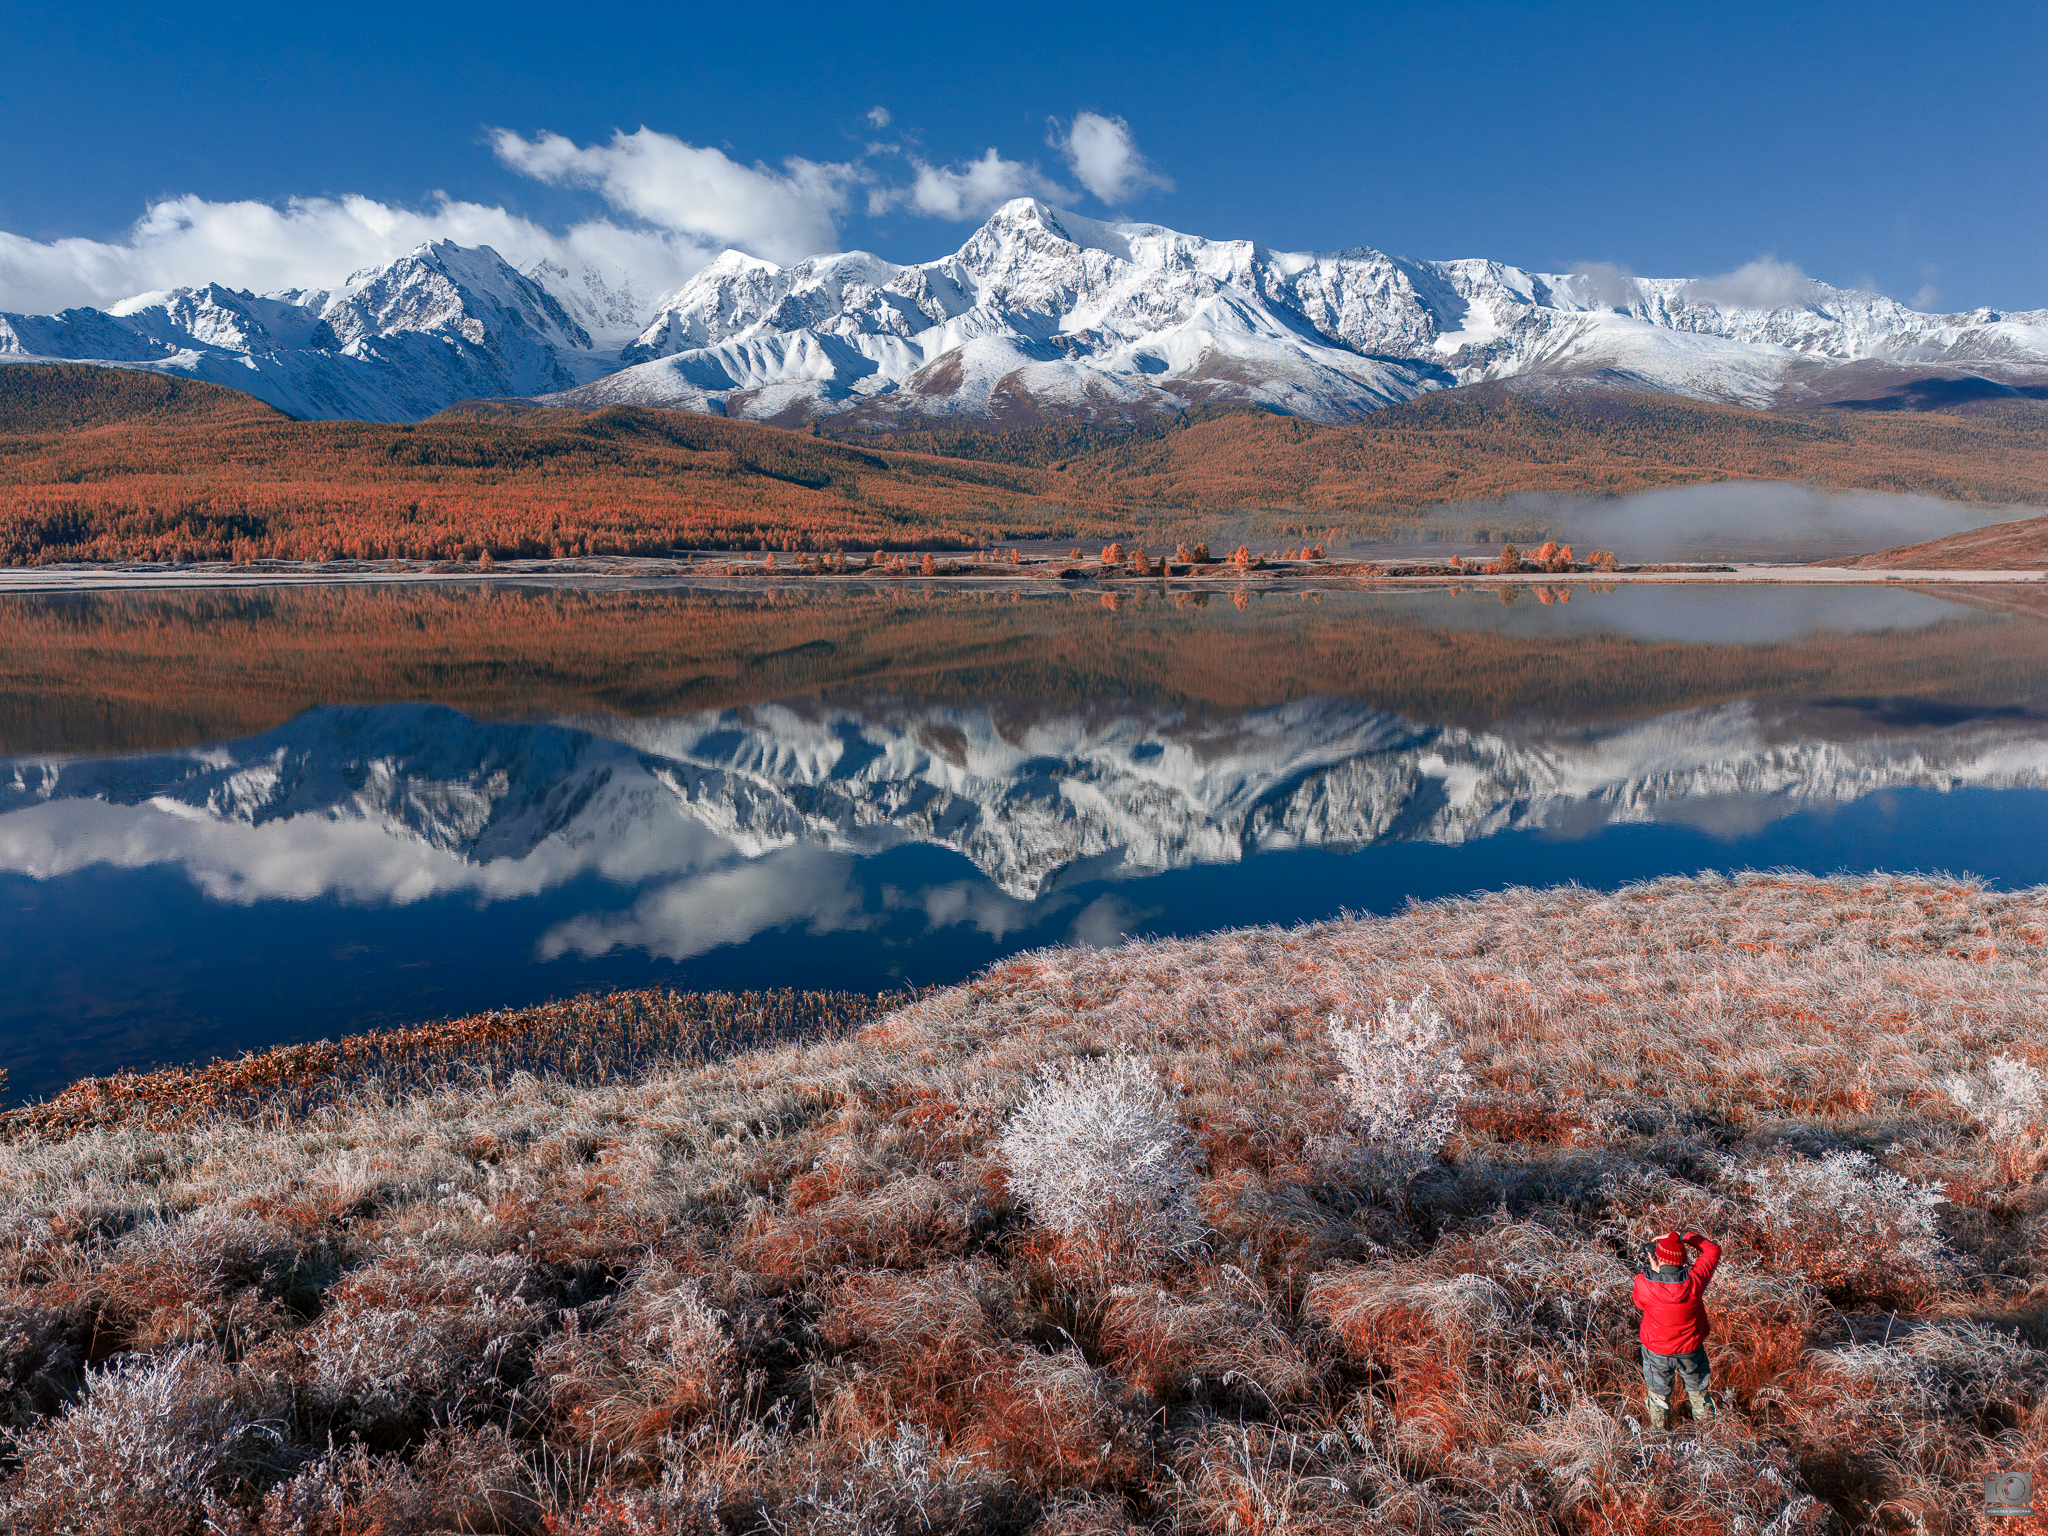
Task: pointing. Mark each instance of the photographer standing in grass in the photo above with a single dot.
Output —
(1668, 1292)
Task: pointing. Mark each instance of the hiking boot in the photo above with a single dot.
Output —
(1660, 1412)
(1702, 1406)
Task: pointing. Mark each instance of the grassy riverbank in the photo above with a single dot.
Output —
(792, 1290)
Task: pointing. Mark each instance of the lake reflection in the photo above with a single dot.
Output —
(729, 791)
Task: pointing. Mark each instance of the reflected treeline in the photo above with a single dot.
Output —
(135, 671)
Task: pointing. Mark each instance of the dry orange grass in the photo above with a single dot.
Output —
(789, 1290)
(2021, 546)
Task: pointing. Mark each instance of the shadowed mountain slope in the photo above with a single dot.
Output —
(69, 397)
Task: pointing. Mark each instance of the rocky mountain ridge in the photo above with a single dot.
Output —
(1041, 313)
(392, 343)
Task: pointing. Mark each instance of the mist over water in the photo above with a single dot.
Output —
(1705, 615)
(1736, 520)
(399, 840)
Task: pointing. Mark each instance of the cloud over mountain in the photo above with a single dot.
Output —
(1766, 283)
(314, 242)
(1104, 155)
(673, 207)
(689, 190)
(976, 189)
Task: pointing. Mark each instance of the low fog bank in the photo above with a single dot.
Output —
(1736, 520)
(1696, 615)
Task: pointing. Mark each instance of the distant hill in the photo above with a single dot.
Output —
(2021, 546)
(1494, 440)
(102, 464)
(67, 397)
(243, 482)
(1876, 385)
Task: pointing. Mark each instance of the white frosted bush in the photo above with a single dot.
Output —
(2008, 1098)
(662, 1356)
(1403, 1080)
(902, 1484)
(406, 1336)
(1841, 1218)
(152, 1441)
(1097, 1152)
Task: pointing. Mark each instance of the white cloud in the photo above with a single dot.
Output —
(978, 188)
(1926, 298)
(681, 204)
(1766, 283)
(979, 904)
(1102, 153)
(305, 857)
(783, 215)
(1106, 922)
(1608, 285)
(797, 886)
(315, 242)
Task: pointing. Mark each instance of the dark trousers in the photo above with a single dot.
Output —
(1691, 1369)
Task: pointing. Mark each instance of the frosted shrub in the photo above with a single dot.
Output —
(153, 1441)
(1842, 1220)
(2008, 1098)
(893, 1487)
(461, 1479)
(661, 1359)
(187, 1280)
(1098, 1153)
(1403, 1080)
(405, 1337)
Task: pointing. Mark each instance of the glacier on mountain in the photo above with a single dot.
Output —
(1040, 313)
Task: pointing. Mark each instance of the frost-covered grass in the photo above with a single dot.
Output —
(862, 1285)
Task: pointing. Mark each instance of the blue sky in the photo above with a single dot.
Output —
(1893, 146)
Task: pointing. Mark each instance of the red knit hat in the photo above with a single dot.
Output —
(1670, 1250)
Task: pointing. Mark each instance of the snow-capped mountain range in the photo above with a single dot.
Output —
(1040, 313)
(395, 802)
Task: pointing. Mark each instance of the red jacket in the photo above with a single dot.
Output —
(1674, 1316)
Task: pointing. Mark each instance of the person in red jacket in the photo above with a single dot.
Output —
(1669, 1292)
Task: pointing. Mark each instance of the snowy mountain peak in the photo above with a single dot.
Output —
(1039, 312)
(471, 292)
(390, 343)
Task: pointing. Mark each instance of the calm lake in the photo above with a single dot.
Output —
(233, 819)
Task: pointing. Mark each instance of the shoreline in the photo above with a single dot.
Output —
(607, 1035)
(647, 573)
(827, 1247)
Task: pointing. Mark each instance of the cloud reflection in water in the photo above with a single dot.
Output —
(730, 823)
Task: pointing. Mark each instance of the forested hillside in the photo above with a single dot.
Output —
(625, 480)
(101, 464)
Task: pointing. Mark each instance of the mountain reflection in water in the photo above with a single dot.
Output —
(724, 844)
